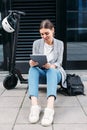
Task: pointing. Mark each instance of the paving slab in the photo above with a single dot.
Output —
(5, 127)
(82, 100)
(31, 127)
(8, 115)
(17, 92)
(85, 110)
(23, 116)
(67, 101)
(10, 102)
(70, 127)
(68, 115)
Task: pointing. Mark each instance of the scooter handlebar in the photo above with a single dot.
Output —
(17, 12)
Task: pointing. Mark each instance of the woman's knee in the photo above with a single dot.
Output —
(51, 71)
(33, 70)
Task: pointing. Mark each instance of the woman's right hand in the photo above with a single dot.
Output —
(33, 63)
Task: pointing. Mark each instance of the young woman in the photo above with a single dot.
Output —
(52, 70)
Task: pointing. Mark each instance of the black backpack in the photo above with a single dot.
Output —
(74, 86)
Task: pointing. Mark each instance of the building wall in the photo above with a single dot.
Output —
(76, 34)
(69, 18)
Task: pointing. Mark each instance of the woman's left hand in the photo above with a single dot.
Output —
(48, 65)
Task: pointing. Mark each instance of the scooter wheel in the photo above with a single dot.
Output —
(10, 81)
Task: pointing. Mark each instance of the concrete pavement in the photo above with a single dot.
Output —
(70, 112)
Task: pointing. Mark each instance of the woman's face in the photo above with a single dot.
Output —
(47, 34)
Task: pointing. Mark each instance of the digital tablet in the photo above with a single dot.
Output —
(40, 58)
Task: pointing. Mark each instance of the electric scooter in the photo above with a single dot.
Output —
(11, 79)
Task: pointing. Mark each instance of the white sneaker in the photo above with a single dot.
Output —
(34, 114)
(47, 117)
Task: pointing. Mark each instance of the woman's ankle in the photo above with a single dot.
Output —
(50, 102)
(34, 101)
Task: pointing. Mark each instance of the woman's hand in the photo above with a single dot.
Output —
(33, 63)
(48, 65)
